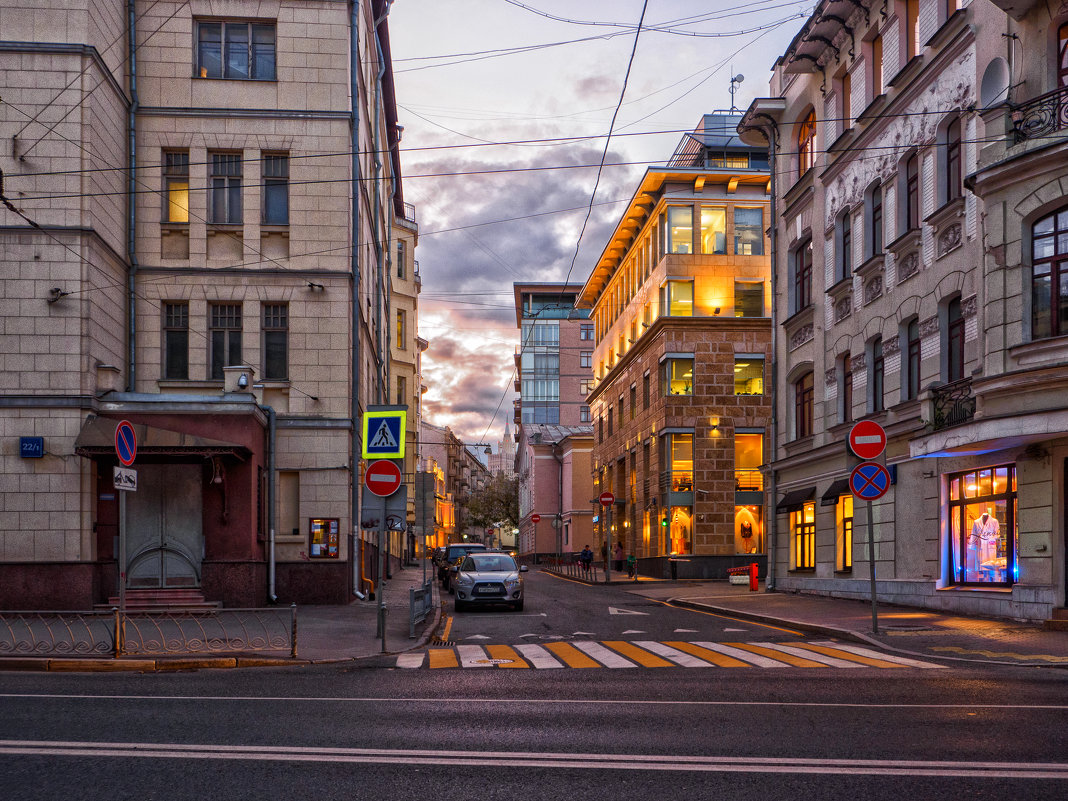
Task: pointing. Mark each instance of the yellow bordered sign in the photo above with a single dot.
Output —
(383, 432)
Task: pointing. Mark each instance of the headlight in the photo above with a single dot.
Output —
(465, 579)
(512, 582)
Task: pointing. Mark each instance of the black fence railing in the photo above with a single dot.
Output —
(952, 404)
(1041, 115)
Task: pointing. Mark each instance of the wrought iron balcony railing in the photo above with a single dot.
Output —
(952, 404)
(1041, 115)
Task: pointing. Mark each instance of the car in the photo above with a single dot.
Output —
(454, 551)
(489, 577)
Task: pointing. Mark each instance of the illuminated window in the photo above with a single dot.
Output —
(748, 231)
(803, 530)
(236, 50)
(176, 187)
(680, 229)
(677, 376)
(843, 515)
(748, 375)
(748, 298)
(982, 524)
(676, 298)
(806, 143)
(401, 325)
(748, 456)
(713, 230)
(681, 478)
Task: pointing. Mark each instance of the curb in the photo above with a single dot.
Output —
(163, 665)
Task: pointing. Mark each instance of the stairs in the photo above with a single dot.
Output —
(161, 600)
(1058, 621)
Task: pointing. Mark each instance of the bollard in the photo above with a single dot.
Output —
(752, 577)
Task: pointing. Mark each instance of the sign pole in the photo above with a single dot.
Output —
(871, 569)
(608, 546)
(381, 576)
(122, 553)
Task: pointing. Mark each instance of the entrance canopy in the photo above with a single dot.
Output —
(97, 438)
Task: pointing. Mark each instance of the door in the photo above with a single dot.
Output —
(164, 537)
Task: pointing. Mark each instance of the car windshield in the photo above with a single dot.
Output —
(490, 563)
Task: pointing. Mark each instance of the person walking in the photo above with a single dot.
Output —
(586, 559)
(618, 557)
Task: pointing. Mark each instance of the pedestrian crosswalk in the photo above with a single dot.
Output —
(616, 654)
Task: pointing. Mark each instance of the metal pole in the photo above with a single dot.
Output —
(608, 544)
(381, 576)
(871, 568)
(122, 552)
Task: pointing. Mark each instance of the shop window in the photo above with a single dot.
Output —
(677, 376)
(680, 529)
(982, 526)
(1049, 281)
(713, 230)
(176, 187)
(803, 533)
(748, 231)
(843, 516)
(748, 375)
(748, 530)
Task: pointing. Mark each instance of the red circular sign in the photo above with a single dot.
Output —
(535, 518)
(125, 443)
(383, 478)
(607, 499)
(869, 481)
(867, 439)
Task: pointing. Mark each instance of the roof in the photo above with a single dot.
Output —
(548, 434)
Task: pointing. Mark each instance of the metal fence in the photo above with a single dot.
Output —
(148, 633)
(420, 604)
(572, 568)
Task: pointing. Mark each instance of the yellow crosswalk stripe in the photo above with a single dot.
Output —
(709, 656)
(639, 655)
(506, 652)
(771, 653)
(839, 654)
(571, 655)
(443, 658)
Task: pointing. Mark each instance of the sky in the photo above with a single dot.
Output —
(506, 107)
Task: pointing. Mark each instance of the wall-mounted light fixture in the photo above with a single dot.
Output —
(242, 381)
(314, 287)
(55, 293)
(716, 310)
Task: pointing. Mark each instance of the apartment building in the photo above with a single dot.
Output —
(907, 296)
(462, 473)
(680, 301)
(198, 242)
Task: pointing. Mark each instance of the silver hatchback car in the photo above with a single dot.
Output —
(489, 577)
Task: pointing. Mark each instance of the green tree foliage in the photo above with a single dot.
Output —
(496, 502)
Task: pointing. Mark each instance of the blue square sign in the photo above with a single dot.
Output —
(31, 447)
(383, 432)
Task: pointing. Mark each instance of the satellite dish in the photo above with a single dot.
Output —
(995, 86)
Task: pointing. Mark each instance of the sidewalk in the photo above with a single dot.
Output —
(904, 630)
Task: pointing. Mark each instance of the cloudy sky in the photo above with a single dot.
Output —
(506, 105)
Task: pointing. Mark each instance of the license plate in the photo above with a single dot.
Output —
(489, 590)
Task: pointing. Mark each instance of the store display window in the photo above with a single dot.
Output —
(982, 526)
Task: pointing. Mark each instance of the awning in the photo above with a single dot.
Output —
(795, 499)
(838, 488)
(97, 438)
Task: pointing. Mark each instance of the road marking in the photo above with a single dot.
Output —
(442, 658)
(736, 629)
(900, 660)
(609, 659)
(802, 653)
(773, 654)
(410, 660)
(708, 655)
(871, 661)
(634, 631)
(687, 631)
(538, 656)
(726, 617)
(642, 657)
(613, 611)
(506, 656)
(676, 656)
(472, 656)
(744, 656)
(572, 657)
(477, 637)
(1003, 654)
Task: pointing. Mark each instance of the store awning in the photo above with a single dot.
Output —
(838, 488)
(97, 438)
(795, 499)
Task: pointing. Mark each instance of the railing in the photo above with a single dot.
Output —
(571, 567)
(148, 633)
(420, 602)
(748, 481)
(1041, 115)
(676, 481)
(952, 404)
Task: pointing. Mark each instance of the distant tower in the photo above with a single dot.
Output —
(503, 461)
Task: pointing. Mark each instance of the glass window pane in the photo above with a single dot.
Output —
(177, 354)
(748, 232)
(1043, 247)
(263, 52)
(234, 201)
(1041, 324)
(748, 300)
(748, 377)
(971, 485)
(276, 203)
(985, 485)
(236, 50)
(1044, 226)
(954, 489)
(713, 230)
(218, 200)
(177, 201)
(680, 229)
(1001, 480)
(234, 351)
(1063, 303)
(680, 298)
(275, 363)
(209, 53)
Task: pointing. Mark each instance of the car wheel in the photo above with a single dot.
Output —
(518, 605)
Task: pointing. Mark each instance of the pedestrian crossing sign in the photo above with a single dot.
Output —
(383, 432)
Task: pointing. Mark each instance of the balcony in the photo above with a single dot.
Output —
(1040, 116)
(952, 404)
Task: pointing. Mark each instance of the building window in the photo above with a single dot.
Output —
(236, 50)
(748, 375)
(876, 66)
(225, 201)
(681, 476)
(275, 341)
(912, 192)
(645, 391)
(748, 298)
(845, 388)
(584, 414)
(676, 298)
(952, 174)
(677, 377)
(874, 244)
(633, 400)
(877, 377)
(402, 251)
(586, 332)
(586, 358)
(1049, 282)
(954, 341)
(806, 143)
(982, 524)
(275, 190)
(912, 359)
(802, 259)
(224, 337)
(843, 518)
(585, 386)
(611, 416)
(176, 187)
(1062, 55)
(748, 231)
(803, 406)
(620, 412)
(176, 340)
(845, 245)
(680, 229)
(401, 320)
(600, 429)
(912, 28)
(748, 456)
(803, 529)
(713, 230)
(402, 390)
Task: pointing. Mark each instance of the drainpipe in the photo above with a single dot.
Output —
(380, 300)
(356, 550)
(271, 521)
(131, 201)
(771, 131)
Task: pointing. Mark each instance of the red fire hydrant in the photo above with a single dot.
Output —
(752, 577)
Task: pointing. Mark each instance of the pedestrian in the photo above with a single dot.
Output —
(618, 557)
(586, 559)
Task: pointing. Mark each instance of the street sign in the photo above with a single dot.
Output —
(124, 478)
(125, 443)
(31, 447)
(869, 481)
(383, 432)
(535, 518)
(606, 498)
(383, 478)
(867, 439)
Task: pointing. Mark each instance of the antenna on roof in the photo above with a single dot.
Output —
(737, 79)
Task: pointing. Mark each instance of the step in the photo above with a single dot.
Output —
(1056, 624)
(162, 599)
(1060, 613)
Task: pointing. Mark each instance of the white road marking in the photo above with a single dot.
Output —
(477, 637)
(411, 660)
(613, 611)
(584, 634)
(736, 629)
(472, 656)
(537, 656)
(804, 653)
(633, 631)
(745, 656)
(687, 631)
(859, 651)
(675, 655)
(609, 659)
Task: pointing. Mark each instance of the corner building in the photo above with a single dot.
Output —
(680, 303)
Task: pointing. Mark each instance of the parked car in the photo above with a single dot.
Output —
(489, 577)
(452, 552)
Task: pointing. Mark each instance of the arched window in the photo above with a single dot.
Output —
(803, 406)
(954, 341)
(1049, 281)
(1062, 55)
(806, 143)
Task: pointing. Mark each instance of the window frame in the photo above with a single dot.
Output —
(274, 319)
(803, 534)
(175, 325)
(253, 53)
(756, 232)
(877, 376)
(804, 405)
(225, 188)
(912, 192)
(802, 283)
(952, 154)
(667, 373)
(275, 176)
(806, 143)
(954, 340)
(844, 237)
(911, 363)
(225, 322)
(175, 179)
(845, 388)
(1051, 269)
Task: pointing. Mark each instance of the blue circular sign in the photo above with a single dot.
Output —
(869, 481)
(125, 443)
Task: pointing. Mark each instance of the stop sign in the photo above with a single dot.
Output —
(383, 478)
(607, 499)
(867, 439)
(535, 518)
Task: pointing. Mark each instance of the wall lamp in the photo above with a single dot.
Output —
(55, 293)
(716, 310)
(315, 287)
(242, 381)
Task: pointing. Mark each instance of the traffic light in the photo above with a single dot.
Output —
(663, 521)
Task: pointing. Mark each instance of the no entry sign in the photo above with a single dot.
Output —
(607, 499)
(535, 519)
(869, 481)
(867, 439)
(383, 478)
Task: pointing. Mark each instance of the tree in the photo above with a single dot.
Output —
(496, 503)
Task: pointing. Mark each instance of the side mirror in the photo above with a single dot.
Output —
(523, 568)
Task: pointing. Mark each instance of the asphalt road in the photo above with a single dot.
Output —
(369, 730)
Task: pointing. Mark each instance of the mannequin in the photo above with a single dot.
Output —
(982, 542)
